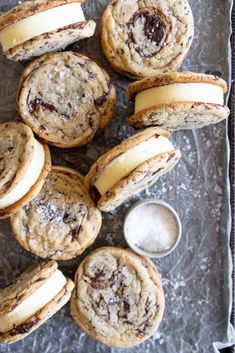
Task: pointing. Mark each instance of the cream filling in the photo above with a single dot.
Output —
(179, 92)
(35, 302)
(130, 160)
(29, 179)
(40, 23)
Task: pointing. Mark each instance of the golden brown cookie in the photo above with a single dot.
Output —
(131, 167)
(118, 297)
(24, 166)
(36, 295)
(62, 221)
(178, 100)
(36, 27)
(143, 38)
(65, 98)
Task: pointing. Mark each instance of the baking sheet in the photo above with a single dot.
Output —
(197, 276)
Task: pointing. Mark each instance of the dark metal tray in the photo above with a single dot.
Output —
(197, 276)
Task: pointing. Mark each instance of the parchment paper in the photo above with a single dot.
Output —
(197, 276)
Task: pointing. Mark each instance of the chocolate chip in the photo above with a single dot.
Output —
(128, 322)
(74, 233)
(24, 328)
(36, 103)
(140, 332)
(154, 28)
(77, 25)
(68, 218)
(126, 306)
(42, 128)
(170, 158)
(40, 279)
(101, 100)
(147, 305)
(99, 273)
(103, 284)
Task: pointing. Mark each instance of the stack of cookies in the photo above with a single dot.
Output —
(65, 99)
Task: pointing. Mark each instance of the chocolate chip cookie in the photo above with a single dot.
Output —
(131, 167)
(36, 27)
(144, 38)
(118, 297)
(65, 98)
(24, 165)
(178, 100)
(62, 221)
(36, 295)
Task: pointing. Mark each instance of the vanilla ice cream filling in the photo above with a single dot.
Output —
(179, 92)
(29, 179)
(35, 302)
(42, 22)
(130, 160)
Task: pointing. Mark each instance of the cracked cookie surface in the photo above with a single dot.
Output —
(62, 221)
(118, 297)
(65, 98)
(143, 38)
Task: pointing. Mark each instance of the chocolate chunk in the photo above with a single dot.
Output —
(140, 333)
(40, 279)
(147, 305)
(24, 328)
(101, 100)
(128, 322)
(103, 284)
(68, 218)
(37, 102)
(74, 233)
(126, 306)
(98, 274)
(154, 28)
(170, 158)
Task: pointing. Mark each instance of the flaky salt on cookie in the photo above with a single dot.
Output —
(178, 100)
(36, 27)
(36, 295)
(24, 165)
(66, 98)
(62, 221)
(131, 167)
(143, 38)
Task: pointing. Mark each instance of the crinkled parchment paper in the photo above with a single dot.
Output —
(197, 276)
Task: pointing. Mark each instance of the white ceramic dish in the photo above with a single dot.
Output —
(141, 251)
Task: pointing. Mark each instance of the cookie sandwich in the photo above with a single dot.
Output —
(62, 221)
(132, 166)
(144, 38)
(36, 295)
(65, 98)
(118, 297)
(178, 100)
(36, 27)
(24, 165)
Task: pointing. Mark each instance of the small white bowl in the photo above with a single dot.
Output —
(141, 251)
